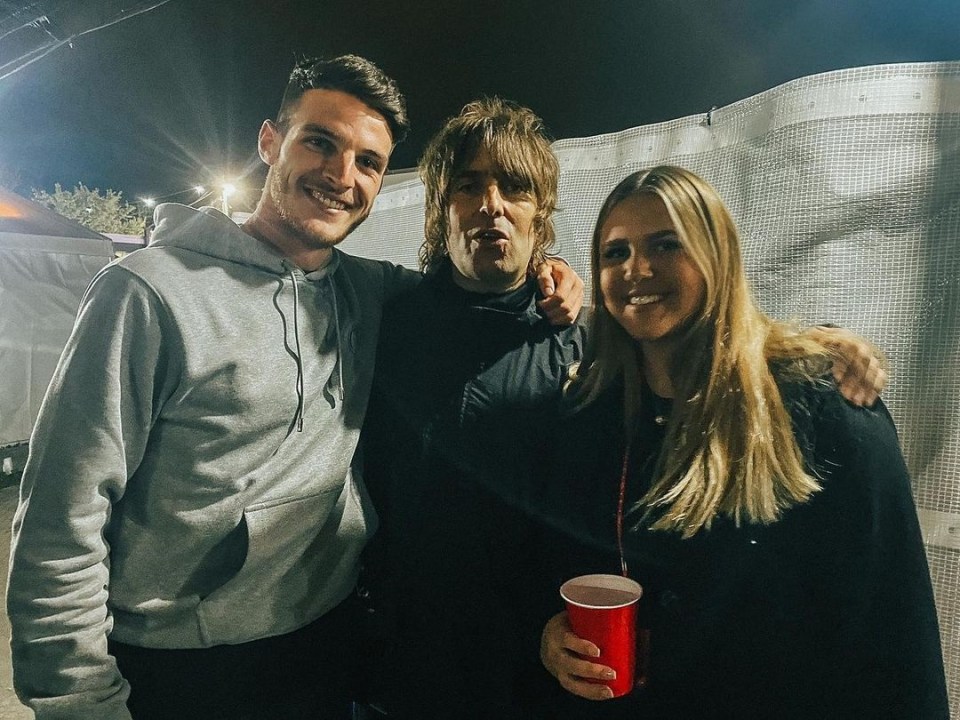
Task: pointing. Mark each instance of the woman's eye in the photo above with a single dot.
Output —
(668, 245)
(615, 252)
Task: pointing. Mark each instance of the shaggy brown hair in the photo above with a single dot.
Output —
(514, 137)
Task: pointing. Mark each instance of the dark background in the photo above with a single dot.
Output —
(174, 97)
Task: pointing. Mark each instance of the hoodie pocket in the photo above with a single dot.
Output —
(276, 588)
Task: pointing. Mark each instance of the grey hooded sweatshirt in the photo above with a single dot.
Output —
(192, 479)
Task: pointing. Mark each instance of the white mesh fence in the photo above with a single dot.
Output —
(846, 188)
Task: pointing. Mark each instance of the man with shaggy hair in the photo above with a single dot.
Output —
(468, 369)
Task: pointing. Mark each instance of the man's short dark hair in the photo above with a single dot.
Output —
(353, 75)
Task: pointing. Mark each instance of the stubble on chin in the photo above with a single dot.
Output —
(298, 228)
(282, 194)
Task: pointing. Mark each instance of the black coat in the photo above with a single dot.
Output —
(827, 613)
(464, 385)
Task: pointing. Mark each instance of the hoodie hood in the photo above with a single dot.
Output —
(209, 232)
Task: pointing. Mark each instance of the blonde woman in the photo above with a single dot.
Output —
(712, 458)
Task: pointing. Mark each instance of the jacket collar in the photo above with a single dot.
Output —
(520, 302)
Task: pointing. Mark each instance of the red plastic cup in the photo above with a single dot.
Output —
(603, 610)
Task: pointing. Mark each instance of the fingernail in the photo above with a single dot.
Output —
(595, 652)
(610, 674)
(607, 693)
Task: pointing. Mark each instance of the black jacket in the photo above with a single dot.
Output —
(464, 386)
(827, 613)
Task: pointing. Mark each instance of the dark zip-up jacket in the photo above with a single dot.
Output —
(464, 386)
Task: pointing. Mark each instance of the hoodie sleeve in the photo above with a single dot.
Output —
(88, 440)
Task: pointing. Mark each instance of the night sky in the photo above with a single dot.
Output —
(174, 97)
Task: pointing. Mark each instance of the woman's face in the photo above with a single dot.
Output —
(650, 285)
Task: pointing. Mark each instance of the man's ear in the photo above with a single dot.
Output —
(269, 141)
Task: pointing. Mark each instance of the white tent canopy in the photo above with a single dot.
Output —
(46, 263)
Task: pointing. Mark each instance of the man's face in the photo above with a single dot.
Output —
(326, 168)
(491, 227)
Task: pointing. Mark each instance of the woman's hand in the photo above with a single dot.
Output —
(560, 652)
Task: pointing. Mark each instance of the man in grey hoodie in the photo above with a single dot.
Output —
(187, 540)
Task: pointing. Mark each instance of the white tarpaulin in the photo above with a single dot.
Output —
(846, 187)
(42, 278)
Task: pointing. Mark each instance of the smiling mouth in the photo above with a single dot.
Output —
(326, 200)
(645, 299)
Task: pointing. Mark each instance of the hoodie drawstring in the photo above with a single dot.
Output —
(296, 338)
(336, 321)
(298, 417)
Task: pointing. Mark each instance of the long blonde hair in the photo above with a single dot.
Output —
(730, 448)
